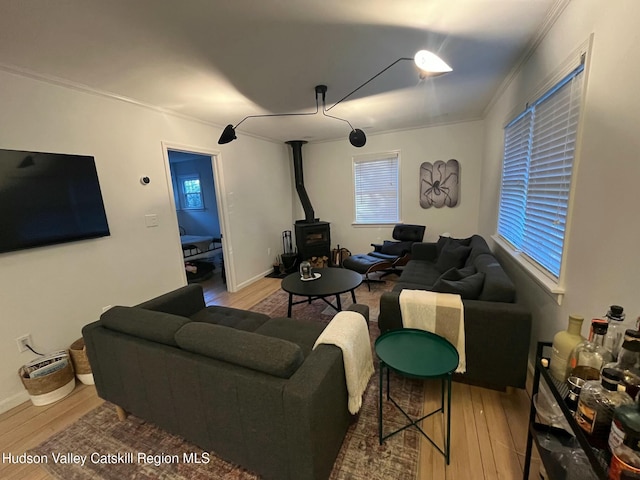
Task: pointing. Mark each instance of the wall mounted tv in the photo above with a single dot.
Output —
(48, 198)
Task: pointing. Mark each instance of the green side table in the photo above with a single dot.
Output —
(417, 354)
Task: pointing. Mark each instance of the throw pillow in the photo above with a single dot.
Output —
(442, 241)
(468, 288)
(457, 274)
(452, 256)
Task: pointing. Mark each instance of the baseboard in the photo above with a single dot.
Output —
(246, 283)
(13, 401)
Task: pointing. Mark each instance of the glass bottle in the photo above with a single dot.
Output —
(624, 440)
(628, 363)
(615, 333)
(596, 404)
(563, 343)
(588, 357)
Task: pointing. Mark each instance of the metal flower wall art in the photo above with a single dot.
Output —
(439, 184)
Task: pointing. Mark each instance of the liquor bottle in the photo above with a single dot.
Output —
(628, 363)
(615, 333)
(624, 440)
(563, 343)
(596, 404)
(588, 357)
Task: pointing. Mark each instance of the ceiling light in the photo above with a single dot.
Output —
(428, 63)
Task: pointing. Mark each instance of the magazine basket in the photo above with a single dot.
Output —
(49, 388)
(78, 352)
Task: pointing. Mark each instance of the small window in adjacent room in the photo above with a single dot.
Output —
(377, 188)
(190, 192)
(538, 161)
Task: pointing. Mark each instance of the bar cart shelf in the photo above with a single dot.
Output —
(598, 459)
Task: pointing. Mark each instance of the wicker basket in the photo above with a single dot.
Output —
(78, 352)
(50, 388)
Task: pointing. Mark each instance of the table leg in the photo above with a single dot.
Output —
(448, 439)
(380, 403)
(353, 296)
(290, 305)
(338, 303)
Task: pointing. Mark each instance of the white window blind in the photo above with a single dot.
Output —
(376, 183)
(536, 176)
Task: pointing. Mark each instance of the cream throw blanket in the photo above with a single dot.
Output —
(439, 313)
(348, 330)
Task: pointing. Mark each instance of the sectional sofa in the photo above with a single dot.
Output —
(497, 327)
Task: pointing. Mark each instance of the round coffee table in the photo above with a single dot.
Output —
(332, 281)
(417, 354)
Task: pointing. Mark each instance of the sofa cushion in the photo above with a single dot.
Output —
(270, 355)
(301, 332)
(155, 326)
(452, 256)
(478, 247)
(231, 317)
(442, 241)
(497, 287)
(468, 288)
(420, 272)
(395, 248)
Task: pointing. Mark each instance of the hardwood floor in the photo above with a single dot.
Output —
(488, 428)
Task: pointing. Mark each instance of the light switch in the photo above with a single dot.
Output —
(151, 220)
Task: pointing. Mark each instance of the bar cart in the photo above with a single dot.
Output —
(598, 459)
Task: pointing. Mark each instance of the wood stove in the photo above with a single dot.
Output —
(313, 237)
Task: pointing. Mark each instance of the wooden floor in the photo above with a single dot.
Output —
(488, 428)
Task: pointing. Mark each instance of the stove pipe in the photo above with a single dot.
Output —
(296, 146)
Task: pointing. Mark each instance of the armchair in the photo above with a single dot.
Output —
(388, 256)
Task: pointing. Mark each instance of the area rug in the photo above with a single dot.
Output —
(156, 454)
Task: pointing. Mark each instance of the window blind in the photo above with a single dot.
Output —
(376, 183)
(536, 178)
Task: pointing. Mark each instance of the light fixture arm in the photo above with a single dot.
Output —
(365, 83)
(279, 114)
(322, 90)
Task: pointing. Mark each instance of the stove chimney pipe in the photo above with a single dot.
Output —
(296, 146)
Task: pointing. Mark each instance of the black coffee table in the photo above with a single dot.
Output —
(332, 281)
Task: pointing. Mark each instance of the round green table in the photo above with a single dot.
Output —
(417, 354)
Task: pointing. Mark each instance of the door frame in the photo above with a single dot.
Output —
(223, 212)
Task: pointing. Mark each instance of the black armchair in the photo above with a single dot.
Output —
(399, 252)
(390, 255)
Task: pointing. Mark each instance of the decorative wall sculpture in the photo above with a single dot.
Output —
(439, 184)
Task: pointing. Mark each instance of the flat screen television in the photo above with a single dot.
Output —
(48, 198)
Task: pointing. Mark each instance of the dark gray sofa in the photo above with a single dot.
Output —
(497, 328)
(240, 384)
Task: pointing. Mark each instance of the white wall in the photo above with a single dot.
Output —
(328, 178)
(603, 263)
(51, 292)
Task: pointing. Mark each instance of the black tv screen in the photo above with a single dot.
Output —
(48, 198)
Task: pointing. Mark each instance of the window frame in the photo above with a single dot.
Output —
(554, 284)
(359, 220)
(182, 178)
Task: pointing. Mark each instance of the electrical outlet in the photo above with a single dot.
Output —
(105, 308)
(268, 252)
(23, 341)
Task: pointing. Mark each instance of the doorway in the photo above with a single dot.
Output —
(197, 213)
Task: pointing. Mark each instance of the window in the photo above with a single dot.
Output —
(539, 147)
(190, 192)
(377, 190)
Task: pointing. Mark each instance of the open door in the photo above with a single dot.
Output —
(198, 212)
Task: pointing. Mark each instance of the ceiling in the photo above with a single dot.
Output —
(221, 60)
